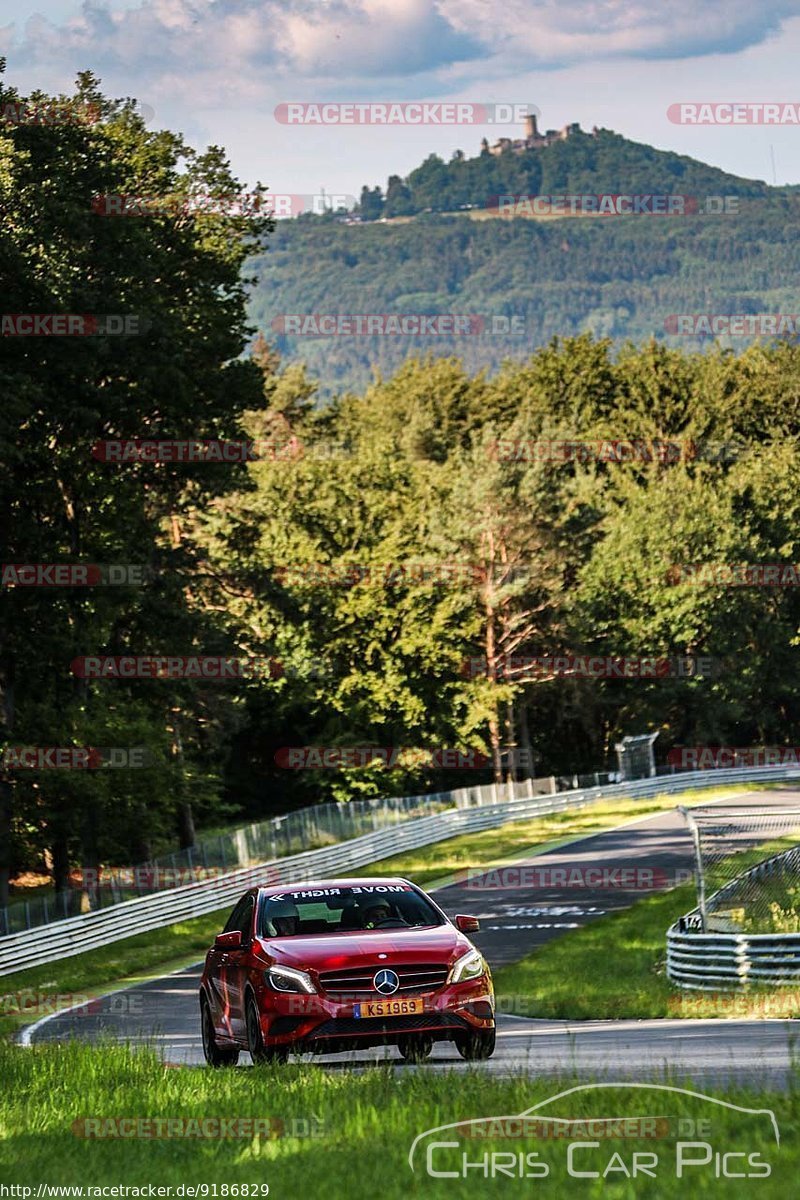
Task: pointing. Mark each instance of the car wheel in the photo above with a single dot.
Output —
(475, 1047)
(255, 1040)
(415, 1049)
(215, 1055)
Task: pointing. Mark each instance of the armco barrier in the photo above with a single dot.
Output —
(94, 929)
(721, 960)
(724, 961)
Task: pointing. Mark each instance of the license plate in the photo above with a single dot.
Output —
(388, 1008)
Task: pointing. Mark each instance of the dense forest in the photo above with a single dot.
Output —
(378, 541)
(617, 277)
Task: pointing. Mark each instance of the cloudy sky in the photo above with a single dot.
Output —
(217, 69)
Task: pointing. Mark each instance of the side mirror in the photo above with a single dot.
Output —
(228, 941)
(468, 924)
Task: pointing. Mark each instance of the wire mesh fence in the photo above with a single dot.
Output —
(748, 867)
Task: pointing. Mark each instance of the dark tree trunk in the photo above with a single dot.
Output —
(186, 834)
(91, 862)
(525, 742)
(185, 817)
(60, 852)
(6, 787)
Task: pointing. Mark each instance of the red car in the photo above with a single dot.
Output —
(344, 964)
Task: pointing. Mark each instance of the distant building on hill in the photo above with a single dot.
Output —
(533, 140)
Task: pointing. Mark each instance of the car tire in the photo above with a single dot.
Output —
(477, 1046)
(214, 1054)
(255, 1040)
(415, 1049)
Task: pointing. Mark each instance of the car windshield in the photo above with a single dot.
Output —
(345, 910)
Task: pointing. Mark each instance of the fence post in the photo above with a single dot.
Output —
(701, 883)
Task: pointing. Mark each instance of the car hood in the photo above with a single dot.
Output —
(338, 951)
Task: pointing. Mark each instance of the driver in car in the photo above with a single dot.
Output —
(283, 919)
(378, 913)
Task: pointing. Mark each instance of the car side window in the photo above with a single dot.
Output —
(245, 921)
(238, 916)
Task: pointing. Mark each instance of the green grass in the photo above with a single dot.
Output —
(26, 995)
(363, 1125)
(614, 967)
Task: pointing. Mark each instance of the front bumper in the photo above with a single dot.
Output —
(319, 1022)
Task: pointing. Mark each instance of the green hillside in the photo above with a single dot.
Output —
(601, 161)
(616, 276)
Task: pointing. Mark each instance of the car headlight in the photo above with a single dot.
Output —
(469, 966)
(287, 979)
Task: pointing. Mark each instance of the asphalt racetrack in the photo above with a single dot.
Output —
(520, 908)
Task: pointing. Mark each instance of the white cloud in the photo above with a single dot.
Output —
(374, 42)
(551, 33)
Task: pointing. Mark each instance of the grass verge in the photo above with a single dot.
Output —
(348, 1136)
(614, 968)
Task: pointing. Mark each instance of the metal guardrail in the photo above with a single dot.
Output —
(91, 930)
(726, 959)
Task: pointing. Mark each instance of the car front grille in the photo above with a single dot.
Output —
(415, 980)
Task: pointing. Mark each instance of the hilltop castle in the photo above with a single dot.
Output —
(533, 140)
